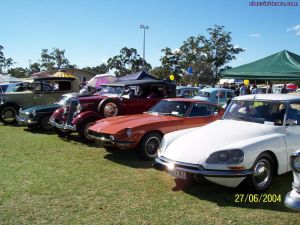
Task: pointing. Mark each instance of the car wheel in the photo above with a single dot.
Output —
(44, 123)
(148, 146)
(62, 133)
(109, 109)
(263, 172)
(83, 130)
(8, 114)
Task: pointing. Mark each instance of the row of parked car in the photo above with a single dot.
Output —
(248, 143)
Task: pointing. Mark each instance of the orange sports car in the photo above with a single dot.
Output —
(145, 131)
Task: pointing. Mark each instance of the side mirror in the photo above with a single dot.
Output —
(291, 122)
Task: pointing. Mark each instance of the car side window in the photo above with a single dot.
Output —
(230, 95)
(294, 113)
(220, 94)
(199, 109)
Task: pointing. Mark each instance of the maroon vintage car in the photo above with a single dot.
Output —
(119, 98)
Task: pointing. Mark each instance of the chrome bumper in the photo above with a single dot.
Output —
(22, 121)
(61, 126)
(164, 163)
(111, 142)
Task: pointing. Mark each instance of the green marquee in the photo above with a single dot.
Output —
(283, 65)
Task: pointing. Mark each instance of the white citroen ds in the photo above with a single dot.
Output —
(251, 144)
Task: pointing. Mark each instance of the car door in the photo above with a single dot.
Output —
(292, 135)
(199, 114)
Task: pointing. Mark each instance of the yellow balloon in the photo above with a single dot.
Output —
(172, 77)
(246, 82)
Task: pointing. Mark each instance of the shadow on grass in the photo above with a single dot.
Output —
(37, 130)
(128, 158)
(231, 197)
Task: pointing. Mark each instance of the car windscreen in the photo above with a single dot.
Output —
(256, 111)
(204, 94)
(112, 90)
(174, 108)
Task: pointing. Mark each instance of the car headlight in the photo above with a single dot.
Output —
(162, 145)
(78, 108)
(129, 132)
(226, 157)
(295, 162)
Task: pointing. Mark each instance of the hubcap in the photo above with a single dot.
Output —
(151, 146)
(8, 114)
(46, 124)
(110, 109)
(262, 173)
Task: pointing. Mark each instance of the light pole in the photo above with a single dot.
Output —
(144, 27)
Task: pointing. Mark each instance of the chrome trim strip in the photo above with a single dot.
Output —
(200, 170)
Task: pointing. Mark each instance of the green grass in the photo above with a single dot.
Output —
(48, 180)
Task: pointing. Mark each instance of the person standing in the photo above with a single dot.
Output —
(243, 90)
(284, 89)
(270, 89)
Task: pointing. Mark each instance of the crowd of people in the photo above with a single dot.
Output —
(243, 89)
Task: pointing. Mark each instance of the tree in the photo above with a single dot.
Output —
(171, 63)
(127, 62)
(206, 55)
(34, 68)
(4, 63)
(18, 72)
(101, 69)
(218, 48)
(54, 59)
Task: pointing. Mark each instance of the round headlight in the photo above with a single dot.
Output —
(128, 132)
(295, 162)
(78, 108)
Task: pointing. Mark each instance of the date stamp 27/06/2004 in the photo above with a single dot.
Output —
(257, 198)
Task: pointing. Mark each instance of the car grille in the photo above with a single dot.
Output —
(189, 166)
(71, 109)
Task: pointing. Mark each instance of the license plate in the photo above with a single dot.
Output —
(178, 174)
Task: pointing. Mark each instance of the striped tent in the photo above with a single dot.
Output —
(63, 74)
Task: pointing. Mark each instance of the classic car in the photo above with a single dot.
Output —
(251, 144)
(292, 199)
(38, 116)
(186, 91)
(38, 92)
(119, 98)
(218, 96)
(145, 131)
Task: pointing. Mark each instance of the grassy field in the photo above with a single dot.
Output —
(48, 180)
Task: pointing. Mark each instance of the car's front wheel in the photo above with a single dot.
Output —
(263, 173)
(149, 145)
(45, 124)
(8, 114)
(83, 130)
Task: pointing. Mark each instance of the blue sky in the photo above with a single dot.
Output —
(91, 31)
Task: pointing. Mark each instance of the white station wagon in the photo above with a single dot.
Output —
(251, 144)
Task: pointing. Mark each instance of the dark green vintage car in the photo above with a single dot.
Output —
(38, 116)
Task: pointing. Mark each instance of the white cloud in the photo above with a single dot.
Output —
(295, 28)
(254, 35)
(237, 46)
(176, 50)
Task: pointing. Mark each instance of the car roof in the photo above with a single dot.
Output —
(269, 97)
(187, 87)
(140, 82)
(216, 89)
